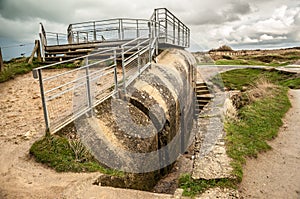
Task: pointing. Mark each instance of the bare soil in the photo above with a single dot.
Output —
(276, 174)
(20, 125)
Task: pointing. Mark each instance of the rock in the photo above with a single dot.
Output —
(178, 193)
(28, 135)
(35, 97)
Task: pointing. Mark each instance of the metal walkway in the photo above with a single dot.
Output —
(111, 55)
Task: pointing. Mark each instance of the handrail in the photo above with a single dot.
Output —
(136, 56)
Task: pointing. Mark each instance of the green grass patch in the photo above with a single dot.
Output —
(65, 155)
(193, 187)
(16, 67)
(19, 66)
(239, 78)
(251, 62)
(258, 123)
(246, 137)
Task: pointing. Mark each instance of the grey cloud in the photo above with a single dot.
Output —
(218, 15)
(210, 21)
(240, 7)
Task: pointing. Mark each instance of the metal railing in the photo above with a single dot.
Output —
(67, 95)
(56, 38)
(107, 30)
(169, 29)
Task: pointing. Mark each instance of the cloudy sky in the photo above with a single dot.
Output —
(239, 23)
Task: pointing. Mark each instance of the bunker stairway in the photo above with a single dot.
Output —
(203, 96)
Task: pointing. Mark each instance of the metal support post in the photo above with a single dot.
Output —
(122, 29)
(166, 27)
(116, 74)
(178, 34)
(174, 29)
(123, 70)
(88, 84)
(139, 58)
(137, 29)
(95, 35)
(44, 103)
(1, 61)
(57, 39)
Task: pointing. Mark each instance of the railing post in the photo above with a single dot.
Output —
(150, 29)
(137, 29)
(166, 26)
(95, 35)
(44, 102)
(150, 56)
(122, 29)
(57, 39)
(1, 61)
(123, 71)
(88, 84)
(116, 73)
(70, 34)
(78, 37)
(174, 29)
(178, 34)
(139, 58)
(119, 30)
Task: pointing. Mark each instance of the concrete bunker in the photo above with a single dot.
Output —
(145, 130)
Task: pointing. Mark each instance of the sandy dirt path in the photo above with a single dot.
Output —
(276, 173)
(21, 124)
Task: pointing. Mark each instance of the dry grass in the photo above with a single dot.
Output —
(260, 89)
(230, 111)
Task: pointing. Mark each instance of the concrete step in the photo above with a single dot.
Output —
(205, 97)
(78, 51)
(202, 92)
(201, 87)
(199, 107)
(202, 102)
(201, 84)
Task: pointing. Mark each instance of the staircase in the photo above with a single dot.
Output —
(203, 96)
(58, 53)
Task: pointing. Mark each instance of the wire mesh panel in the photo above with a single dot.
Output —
(68, 94)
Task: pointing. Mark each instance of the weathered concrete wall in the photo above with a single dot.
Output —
(147, 131)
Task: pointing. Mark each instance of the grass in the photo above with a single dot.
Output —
(258, 122)
(65, 155)
(193, 187)
(19, 66)
(16, 67)
(274, 60)
(249, 62)
(239, 78)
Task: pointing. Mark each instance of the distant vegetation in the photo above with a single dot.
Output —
(222, 49)
(18, 66)
(224, 55)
